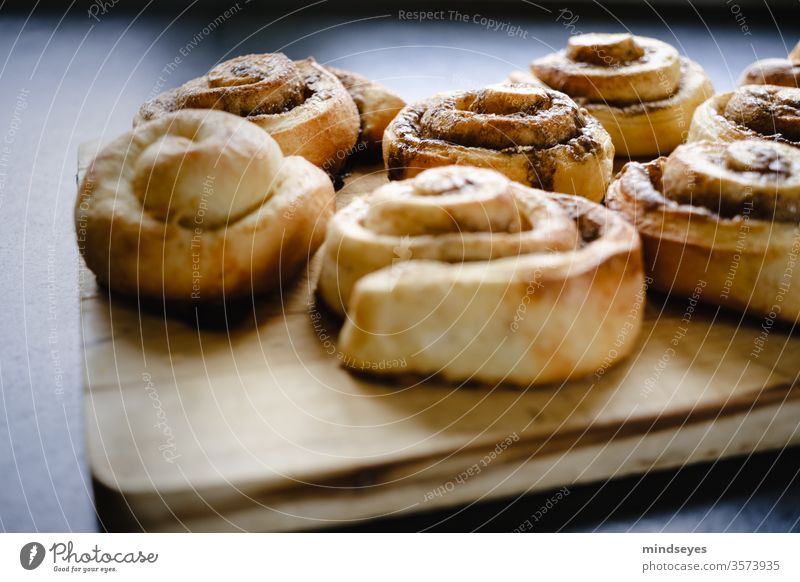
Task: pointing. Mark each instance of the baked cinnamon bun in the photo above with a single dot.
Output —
(197, 206)
(723, 216)
(750, 112)
(377, 106)
(535, 136)
(302, 105)
(641, 90)
(783, 72)
(464, 273)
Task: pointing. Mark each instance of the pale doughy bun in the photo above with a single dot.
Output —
(783, 72)
(720, 221)
(376, 104)
(198, 206)
(303, 106)
(533, 135)
(462, 273)
(641, 90)
(750, 112)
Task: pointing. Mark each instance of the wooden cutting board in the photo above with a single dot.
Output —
(255, 425)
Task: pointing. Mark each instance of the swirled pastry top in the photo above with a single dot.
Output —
(165, 166)
(501, 117)
(718, 180)
(726, 178)
(432, 272)
(612, 68)
(722, 215)
(249, 86)
(196, 205)
(303, 106)
(639, 88)
(451, 214)
(784, 72)
(445, 214)
(751, 111)
(532, 134)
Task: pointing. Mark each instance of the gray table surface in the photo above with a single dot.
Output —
(67, 78)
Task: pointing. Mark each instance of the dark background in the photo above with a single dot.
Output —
(67, 77)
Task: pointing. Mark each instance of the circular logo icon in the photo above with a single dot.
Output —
(31, 555)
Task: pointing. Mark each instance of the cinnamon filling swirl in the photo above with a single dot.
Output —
(767, 110)
(431, 271)
(612, 68)
(532, 134)
(783, 72)
(753, 111)
(757, 178)
(304, 107)
(504, 116)
(726, 214)
(641, 90)
(272, 81)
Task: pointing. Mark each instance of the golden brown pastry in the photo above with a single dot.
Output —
(642, 91)
(533, 135)
(303, 106)
(376, 104)
(784, 72)
(750, 112)
(197, 206)
(463, 273)
(721, 218)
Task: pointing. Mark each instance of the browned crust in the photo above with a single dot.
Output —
(321, 124)
(739, 261)
(134, 252)
(407, 152)
(377, 106)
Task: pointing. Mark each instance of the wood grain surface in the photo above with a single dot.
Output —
(244, 419)
(69, 78)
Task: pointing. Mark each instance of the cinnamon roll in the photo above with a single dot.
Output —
(641, 90)
(377, 106)
(463, 273)
(723, 216)
(533, 135)
(783, 72)
(303, 106)
(196, 206)
(750, 112)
